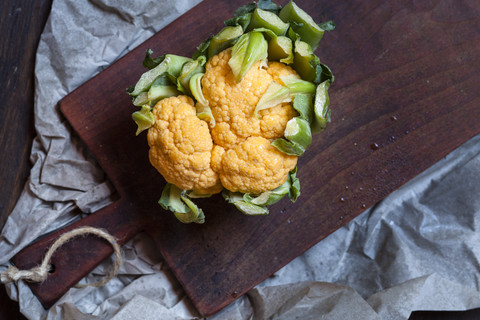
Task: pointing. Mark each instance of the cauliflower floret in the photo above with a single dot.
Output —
(181, 146)
(233, 104)
(253, 166)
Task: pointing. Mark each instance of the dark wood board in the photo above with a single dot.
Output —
(405, 95)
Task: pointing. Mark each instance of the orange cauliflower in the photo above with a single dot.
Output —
(181, 144)
(236, 116)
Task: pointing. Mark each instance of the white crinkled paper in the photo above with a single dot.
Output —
(401, 255)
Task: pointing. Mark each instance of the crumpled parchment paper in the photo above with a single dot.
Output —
(418, 249)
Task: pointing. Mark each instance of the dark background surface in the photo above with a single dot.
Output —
(22, 23)
(21, 27)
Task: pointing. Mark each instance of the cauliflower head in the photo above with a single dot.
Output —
(236, 116)
(236, 153)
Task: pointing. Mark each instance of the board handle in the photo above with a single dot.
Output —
(75, 259)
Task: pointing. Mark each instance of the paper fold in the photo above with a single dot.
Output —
(402, 255)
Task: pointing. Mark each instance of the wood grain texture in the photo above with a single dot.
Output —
(405, 95)
(22, 24)
(20, 35)
(473, 314)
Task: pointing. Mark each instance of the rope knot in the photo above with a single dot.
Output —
(36, 274)
(40, 273)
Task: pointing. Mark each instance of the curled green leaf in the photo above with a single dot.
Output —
(288, 147)
(189, 69)
(269, 20)
(277, 93)
(280, 49)
(223, 40)
(204, 112)
(243, 14)
(298, 137)
(303, 104)
(248, 208)
(294, 190)
(176, 200)
(249, 48)
(321, 111)
(325, 75)
(305, 62)
(298, 130)
(274, 95)
(296, 85)
(161, 88)
(304, 25)
(171, 64)
(143, 118)
(267, 33)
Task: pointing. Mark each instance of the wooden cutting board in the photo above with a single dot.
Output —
(405, 95)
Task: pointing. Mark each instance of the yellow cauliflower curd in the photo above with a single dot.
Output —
(233, 104)
(181, 146)
(236, 153)
(254, 166)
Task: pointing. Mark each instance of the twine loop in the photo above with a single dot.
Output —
(40, 273)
